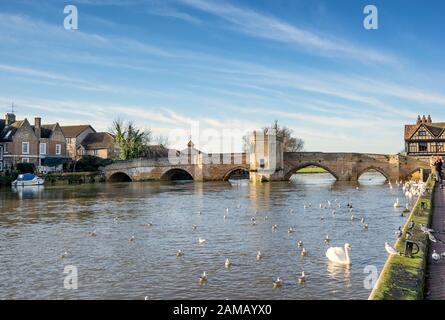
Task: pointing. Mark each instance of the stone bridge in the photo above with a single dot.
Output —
(343, 166)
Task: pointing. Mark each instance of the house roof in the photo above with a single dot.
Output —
(74, 131)
(7, 132)
(98, 140)
(435, 129)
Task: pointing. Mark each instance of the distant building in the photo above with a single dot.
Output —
(425, 138)
(74, 136)
(41, 144)
(82, 140)
(99, 144)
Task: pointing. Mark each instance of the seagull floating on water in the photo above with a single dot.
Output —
(299, 244)
(203, 278)
(132, 238)
(93, 233)
(64, 255)
(303, 252)
(274, 227)
(390, 249)
(228, 263)
(290, 230)
(278, 283)
(259, 256)
(302, 278)
(202, 241)
(179, 253)
(327, 239)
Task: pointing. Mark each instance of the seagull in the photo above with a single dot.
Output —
(278, 283)
(259, 256)
(399, 232)
(299, 244)
(290, 230)
(291, 211)
(201, 241)
(274, 227)
(363, 220)
(194, 227)
(390, 249)
(228, 263)
(199, 212)
(266, 218)
(352, 218)
(203, 278)
(64, 255)
(93, 233)
(327, 240)
(365, 226)
(179, 253)
(149, 224)
(303, 252)
(322, 218)
(435, 256)
(302, 278)
(132, 238)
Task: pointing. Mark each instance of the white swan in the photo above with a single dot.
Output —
(390, 249)
(339, 255)
(228, 263)
(303, 252)
(397, 203)
(202, 241)
(203, 278)
(299, 244)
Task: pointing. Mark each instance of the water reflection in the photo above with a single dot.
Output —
(58, 219)
(29, 192)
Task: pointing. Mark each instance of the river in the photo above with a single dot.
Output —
(38, 225)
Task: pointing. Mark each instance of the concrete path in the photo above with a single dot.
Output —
(435, 276)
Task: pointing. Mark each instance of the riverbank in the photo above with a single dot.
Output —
(60, 178)
(403, 278)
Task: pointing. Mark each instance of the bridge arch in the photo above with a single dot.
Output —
(174, 174)
(411, 173)
(374, 168)
(295, 168)
(235, 170)
(120, 177)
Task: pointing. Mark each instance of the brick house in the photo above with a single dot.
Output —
(83, 140)
(42, 145)
(74, 136)
(99, 144)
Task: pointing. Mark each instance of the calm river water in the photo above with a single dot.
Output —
(38, 225)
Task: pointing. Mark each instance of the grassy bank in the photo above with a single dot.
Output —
(403, 278)
(311, 170)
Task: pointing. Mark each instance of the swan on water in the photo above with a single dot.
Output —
(201, 241)
(299, 244)
(302, 278)
(435, 256)
(228, 263)
(259, 256)
(303, 252)
(390, 249)
(93, 233)
(339, 255)
(179, 253)
(362, 220)
(397, 203)
(278, 283)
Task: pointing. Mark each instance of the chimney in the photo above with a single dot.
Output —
(9, 118)
(423, 119)
(38, 126)
(429, 119)
(418, 119)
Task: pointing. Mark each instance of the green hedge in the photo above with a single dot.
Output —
(403, 278)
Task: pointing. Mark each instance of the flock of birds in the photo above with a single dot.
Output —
(336, 255)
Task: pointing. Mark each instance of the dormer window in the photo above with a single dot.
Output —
(422, 133)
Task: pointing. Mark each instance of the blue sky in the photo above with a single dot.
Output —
(229, 65)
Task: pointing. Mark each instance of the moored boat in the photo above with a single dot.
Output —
(27, 179)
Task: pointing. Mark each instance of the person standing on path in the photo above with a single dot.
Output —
(438, 166)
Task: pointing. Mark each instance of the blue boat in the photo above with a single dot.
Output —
(27, 179)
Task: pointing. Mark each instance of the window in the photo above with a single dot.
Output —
(422, 133)
(58, 149)
(95, 152)
(25, 160)
(1, 152)
(5, 148)
(25, 147)
(43, 148)
(423, 147)
(1, 166)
